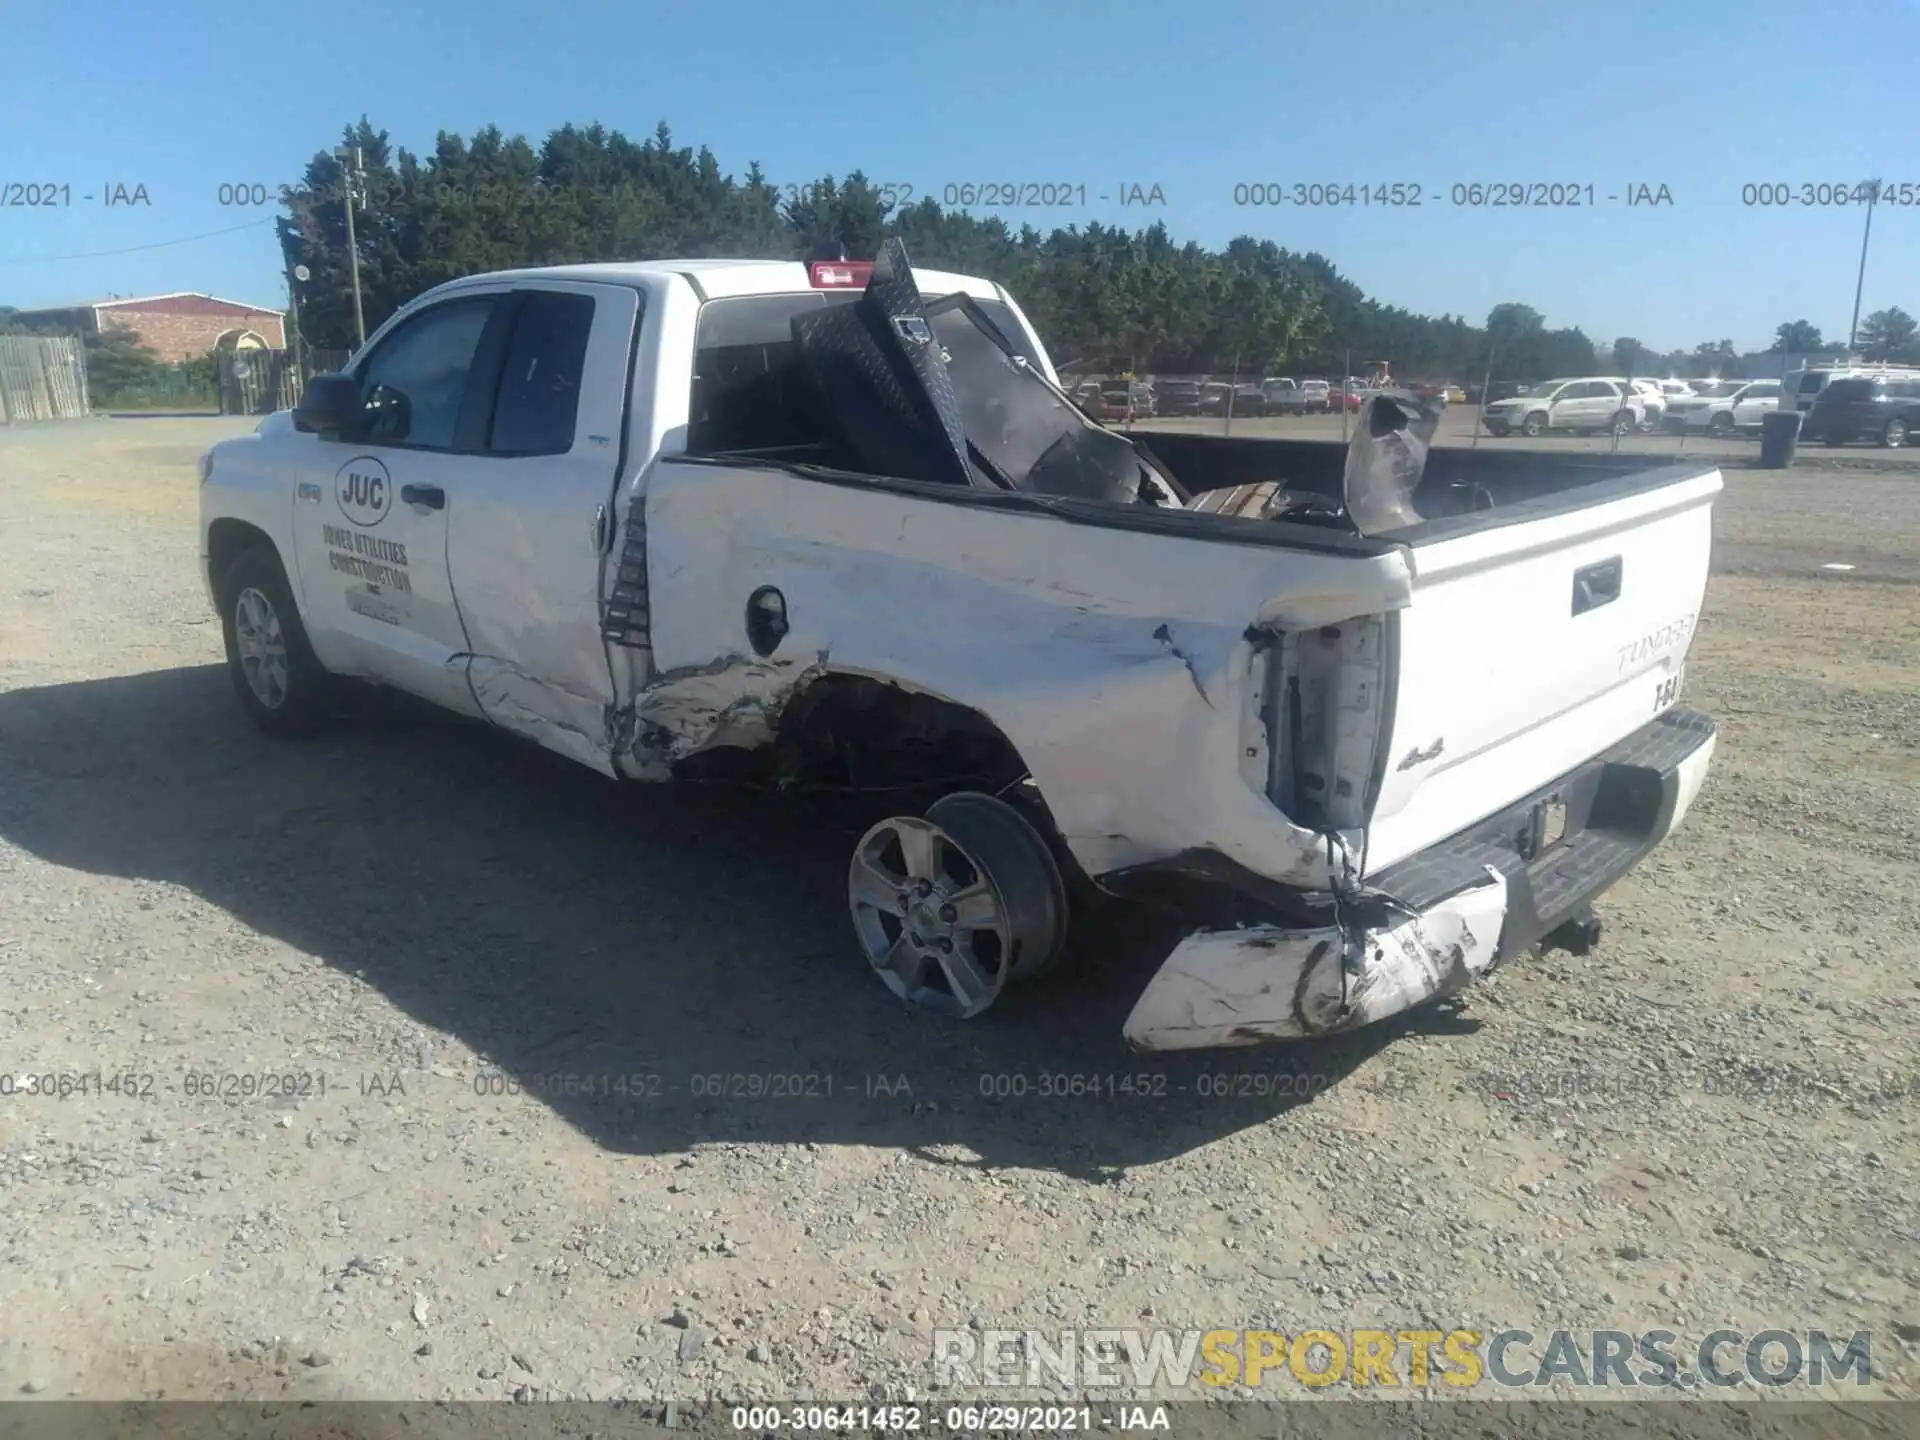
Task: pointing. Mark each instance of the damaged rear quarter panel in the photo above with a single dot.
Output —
(1115, 660)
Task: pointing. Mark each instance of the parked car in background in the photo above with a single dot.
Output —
(1499, 390)
(1685, 412)
(1652, 400)
(1883, 409)
(1114, 401)
(1741, 409)
(1347, 395)
(1213, 397)
(1581, 405)
(1146, 400)
(1307, 397)
(1283, 395)
(1249, 400)
(1086, 397)
(1802, 387)
(1178, 397)
(1672, 391)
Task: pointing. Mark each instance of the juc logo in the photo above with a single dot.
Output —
(364, 491)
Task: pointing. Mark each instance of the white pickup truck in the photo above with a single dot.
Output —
(837, 523)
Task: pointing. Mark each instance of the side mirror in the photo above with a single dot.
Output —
(330, 406)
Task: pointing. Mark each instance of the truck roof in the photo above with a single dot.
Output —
(718, 279)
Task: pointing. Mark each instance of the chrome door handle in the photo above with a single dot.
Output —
(599, 530)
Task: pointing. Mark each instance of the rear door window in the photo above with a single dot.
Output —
(539, 399)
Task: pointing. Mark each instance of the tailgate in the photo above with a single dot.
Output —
(1531, 647)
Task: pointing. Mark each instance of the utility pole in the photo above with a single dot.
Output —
(1872, 187)
(1486, 398)
(356, 196)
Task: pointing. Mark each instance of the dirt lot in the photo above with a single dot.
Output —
(1709, 1123)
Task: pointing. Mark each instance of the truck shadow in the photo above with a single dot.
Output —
(561, 925)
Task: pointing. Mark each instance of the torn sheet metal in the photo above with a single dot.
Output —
(1249, 986)
(733, 701)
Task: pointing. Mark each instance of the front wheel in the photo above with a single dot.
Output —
(281, 685)
(952, 908)
(1721, 425)
(1536, 425)
(1895, 435)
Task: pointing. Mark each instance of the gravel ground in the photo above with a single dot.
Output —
(1709, 1122)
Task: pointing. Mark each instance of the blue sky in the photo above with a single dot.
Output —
(183, 97)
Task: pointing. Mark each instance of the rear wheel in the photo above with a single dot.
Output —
(952, 908)
(1535, 425)
(1623, 422)
(281, 685)
(1895, 435)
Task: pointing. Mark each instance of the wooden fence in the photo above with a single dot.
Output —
(42, 378)
(258, 382)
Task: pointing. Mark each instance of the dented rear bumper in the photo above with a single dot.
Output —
(1454, 911)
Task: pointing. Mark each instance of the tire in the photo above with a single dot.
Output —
(1895, 435)
(999, 872)
(295, 697)
(1623, 423)
(1721, 425)
(1833, 439)
(1500, 432)
(1535, 425)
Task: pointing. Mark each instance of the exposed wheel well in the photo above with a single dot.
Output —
(226, 539)
(909, 748)
(851, 730)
